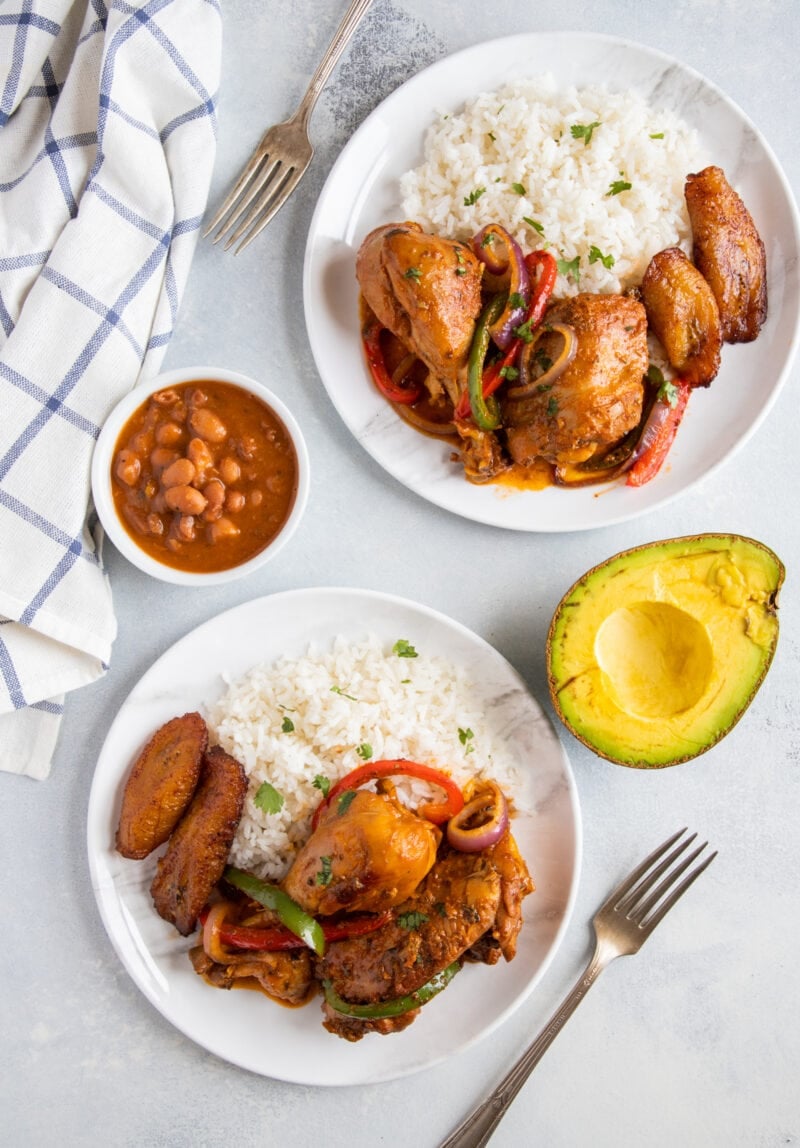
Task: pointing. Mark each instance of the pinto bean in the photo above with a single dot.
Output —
(155, 524)
(221, 529)
(202, 458)
(128, 467)
(247, 447)
(185, 499)
(214, 493)
(234, 501)
(206, 425)
(179, 473)
(162, 457)
(229, 470)
(256, 497)
(166, 398)
(185, 529)
(168, 434)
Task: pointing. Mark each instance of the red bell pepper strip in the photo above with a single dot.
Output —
(265, 938)
(540, 296)
(371, 337)
(648, 463)
(431, 811)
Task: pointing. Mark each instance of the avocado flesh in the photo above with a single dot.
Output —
(654, 655)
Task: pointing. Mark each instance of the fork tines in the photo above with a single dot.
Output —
(643, 898)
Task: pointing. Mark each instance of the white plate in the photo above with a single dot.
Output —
(246, 1028)
(362, 191)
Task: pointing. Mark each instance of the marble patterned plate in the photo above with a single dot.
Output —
(362, 191)
(246, 1028)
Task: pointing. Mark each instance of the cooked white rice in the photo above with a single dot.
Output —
(521, 134)
(337, 701)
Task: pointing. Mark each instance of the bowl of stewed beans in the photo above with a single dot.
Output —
(200, 475)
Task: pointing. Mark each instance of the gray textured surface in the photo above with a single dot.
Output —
(695, 1041)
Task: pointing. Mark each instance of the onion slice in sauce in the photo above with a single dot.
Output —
(507, 271)
(482, 821)
(212, 942)
(533, 385)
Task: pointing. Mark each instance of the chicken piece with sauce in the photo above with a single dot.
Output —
(368, 853)
(729, 253)
(469, 906)
(598, 396)
(427, 291)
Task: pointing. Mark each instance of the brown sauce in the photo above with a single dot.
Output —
(204, 476)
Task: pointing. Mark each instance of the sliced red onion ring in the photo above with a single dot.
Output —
(507, 271)
(659, 414)
(212, 943)
(482, 821)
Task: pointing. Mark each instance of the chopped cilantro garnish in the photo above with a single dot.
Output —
(287, 725)
(411, 920)
(534, 223)
(543, 360)
(617, 186)
(518, 188)
(364, 751)
(552, 408)
(487, 240)
(345, 801)
(584, 132)
(515, 300)
(404, 649)
(338, 690)
(543, 388)
(461, 270)
(656, 135)
(596, 254)
(570, 267)
(667, 391)
(268, 799)
(465, 736)
(405, 681)
(440, 908)
(523, 331)
(491, 136)
(474, 196)
(325, 875)
(413, 273)
(322, 783)
(509, 373)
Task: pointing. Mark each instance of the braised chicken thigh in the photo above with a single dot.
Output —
(427, 291)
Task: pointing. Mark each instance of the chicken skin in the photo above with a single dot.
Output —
(427, 291)
(598, 397)
(198, 849)
(368, 853)
(160, 786)
(683, 314)
(469, 904)
(730, 254)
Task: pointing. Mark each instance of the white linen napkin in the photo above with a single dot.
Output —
(107, 140)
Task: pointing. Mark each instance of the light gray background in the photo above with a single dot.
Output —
(696, 1041)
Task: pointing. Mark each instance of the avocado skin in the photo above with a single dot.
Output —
(735, 647)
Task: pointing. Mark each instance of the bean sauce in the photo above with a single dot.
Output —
(204, 476)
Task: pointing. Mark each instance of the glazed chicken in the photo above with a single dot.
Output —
(367, 855)
(285, 976)
(728, 251)
(160, 786)
(469, 906)
(683, 314)
(427, 292)
(198, 848)
(598, 397)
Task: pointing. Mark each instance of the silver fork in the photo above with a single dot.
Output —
(622, 925)
(281, 158)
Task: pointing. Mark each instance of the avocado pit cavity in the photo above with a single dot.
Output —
(658, 659)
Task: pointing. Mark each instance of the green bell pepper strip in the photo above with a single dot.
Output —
(395, 1007)
(297, 920)
(485, 412)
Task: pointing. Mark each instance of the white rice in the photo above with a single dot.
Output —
(338, 700)
(521, 134)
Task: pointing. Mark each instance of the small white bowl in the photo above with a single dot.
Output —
(101, 476)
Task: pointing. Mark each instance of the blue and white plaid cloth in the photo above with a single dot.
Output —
(107, 140)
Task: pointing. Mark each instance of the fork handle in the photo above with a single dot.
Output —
(476, 1130)
(350, 22)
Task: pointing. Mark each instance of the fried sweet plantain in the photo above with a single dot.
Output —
(160, 785)
(199, 847)
(683, 313)
(729, 252)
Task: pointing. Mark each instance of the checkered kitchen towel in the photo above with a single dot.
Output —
(107, 137)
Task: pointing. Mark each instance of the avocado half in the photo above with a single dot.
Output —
(655, 654)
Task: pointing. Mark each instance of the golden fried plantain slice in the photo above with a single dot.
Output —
(729, 252)
(683, 313)
(161, 784)
(199, 847)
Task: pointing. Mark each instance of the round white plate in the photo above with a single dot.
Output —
(362, 192)
(247, 1028)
